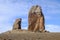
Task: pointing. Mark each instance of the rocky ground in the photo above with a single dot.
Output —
(26, 35)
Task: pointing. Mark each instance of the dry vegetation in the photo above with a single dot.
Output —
(25, 35)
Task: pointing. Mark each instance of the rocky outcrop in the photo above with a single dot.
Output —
(36, 19)
(17, 24)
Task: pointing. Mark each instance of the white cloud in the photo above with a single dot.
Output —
(5, 27)
(25, 28)
(53, 28)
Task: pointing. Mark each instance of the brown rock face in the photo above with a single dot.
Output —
(17, 24)
(36, 19)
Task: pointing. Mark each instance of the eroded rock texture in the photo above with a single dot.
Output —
(17, 24)
(36, 19)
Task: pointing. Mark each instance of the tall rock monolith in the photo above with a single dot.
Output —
(36, 19)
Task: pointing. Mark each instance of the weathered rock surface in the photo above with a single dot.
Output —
(17, 24)
(36, 19)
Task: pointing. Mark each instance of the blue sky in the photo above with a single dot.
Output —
(12, 9)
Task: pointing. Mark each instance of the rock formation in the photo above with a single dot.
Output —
(17, 24)
(36, 19)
